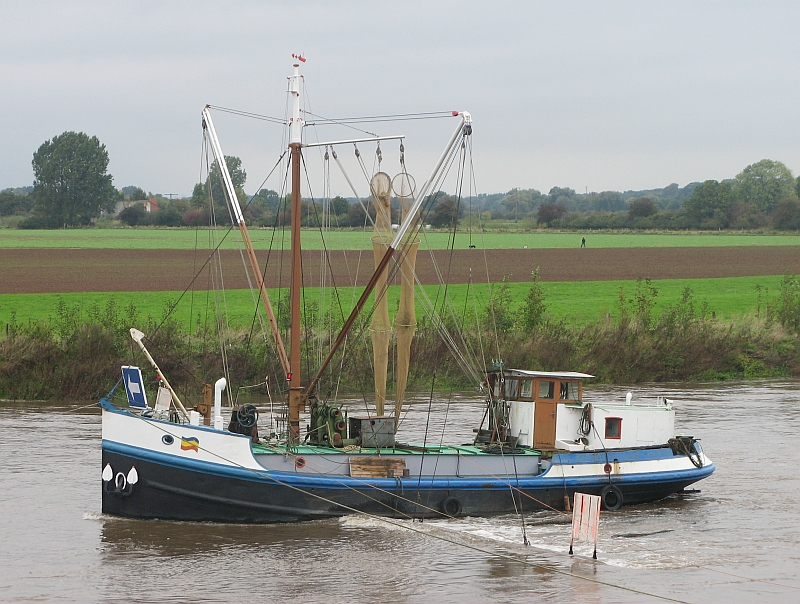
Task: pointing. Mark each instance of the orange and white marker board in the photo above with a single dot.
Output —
(585, 520)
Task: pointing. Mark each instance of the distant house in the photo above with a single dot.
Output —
(150, 205)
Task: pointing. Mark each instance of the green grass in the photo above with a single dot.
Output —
(579, 303)
(585, 302)
(186, 238)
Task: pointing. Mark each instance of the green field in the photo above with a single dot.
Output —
(578, 302)
(185, 238)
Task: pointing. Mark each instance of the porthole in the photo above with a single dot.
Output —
(167, 439)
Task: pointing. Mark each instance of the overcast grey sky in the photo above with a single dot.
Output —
(604, 95)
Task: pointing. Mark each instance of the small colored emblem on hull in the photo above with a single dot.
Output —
(189, 444)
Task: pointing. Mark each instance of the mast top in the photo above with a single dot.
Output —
(297, 124)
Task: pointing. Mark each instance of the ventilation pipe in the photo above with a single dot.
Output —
(219, 386)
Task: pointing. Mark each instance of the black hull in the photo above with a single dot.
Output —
(171, 493)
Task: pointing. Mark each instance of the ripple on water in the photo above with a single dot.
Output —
(745, 521)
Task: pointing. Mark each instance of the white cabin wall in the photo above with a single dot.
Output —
(641, 426)
(568, 418)
(521, 421)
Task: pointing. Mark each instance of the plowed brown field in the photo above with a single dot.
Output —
(100, 270)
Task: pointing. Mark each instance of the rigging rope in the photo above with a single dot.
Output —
(352, 188)
(420, 531)
(397, 117)
(257, 116)
(410, 528)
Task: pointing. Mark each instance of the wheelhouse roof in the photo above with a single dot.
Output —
(567, 375)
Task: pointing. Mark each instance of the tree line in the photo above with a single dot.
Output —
(72, 187)
(763, 194)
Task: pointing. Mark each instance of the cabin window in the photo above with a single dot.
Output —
(512, 389)
(614, 427)
(546, 389)
(526, 391)
(569, 391)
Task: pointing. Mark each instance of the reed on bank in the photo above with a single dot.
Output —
(77, 353)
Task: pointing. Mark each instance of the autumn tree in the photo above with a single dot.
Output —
(133, 215)
(548, 212)
(786, 216)
(642, 207)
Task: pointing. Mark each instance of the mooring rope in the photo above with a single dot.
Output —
(420, 531)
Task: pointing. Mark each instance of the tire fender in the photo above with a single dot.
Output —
(451, 507)
(611, 497)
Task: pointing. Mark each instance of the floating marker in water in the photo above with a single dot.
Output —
(585, 520)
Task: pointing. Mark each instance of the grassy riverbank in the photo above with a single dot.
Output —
(77, 352)
(578, 303)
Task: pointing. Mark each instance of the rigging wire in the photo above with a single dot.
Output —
(425, 443)
(462, 358)
(322, 121)
(220, 299)
(555, 570)
(411, 527)
(397, 117)
(364, 206)
(326, 265)
(372, 191)
(467, 366)
(257, 309)
(211, 259)
(256, 116)
(340, 123)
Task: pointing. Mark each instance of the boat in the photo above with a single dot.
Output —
(537, 443)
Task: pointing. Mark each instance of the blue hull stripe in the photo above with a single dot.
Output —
(621, 455)
(310, 481)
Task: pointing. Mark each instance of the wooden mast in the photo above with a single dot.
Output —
(296, 399)
(296, 396)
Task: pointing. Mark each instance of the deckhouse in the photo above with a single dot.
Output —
(546, 411)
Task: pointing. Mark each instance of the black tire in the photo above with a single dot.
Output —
(611, 498)
(451, 507)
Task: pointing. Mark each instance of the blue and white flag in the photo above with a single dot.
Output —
(134, 386)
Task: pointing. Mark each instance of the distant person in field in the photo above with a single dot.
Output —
(583, 241)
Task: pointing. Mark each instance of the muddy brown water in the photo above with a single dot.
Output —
(55, 545)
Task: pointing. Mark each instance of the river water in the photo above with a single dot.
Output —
(738, 540)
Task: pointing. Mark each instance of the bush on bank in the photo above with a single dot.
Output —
(77, 355)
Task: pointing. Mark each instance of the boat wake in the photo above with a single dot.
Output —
(547, 535)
